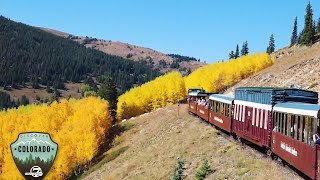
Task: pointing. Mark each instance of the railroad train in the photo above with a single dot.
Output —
(282, 121)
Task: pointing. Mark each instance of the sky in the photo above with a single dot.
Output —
(204, 29)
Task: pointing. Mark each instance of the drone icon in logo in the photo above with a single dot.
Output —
(35, 171)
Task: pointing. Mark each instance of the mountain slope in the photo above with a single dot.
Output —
(296, 65)
(150, 150)
(164, 62)
(32, 56)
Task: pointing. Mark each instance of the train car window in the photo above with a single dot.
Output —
(303, 127)
(285, 127)
(274, 121)
(222, 108)
(227, 110)
(288, 125)
(278, 121)
(282, 123)
(296, 127)
(309, 128)
(306, 129)
(299, 119)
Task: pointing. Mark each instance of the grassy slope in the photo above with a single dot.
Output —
(297, 65)
(149, 151)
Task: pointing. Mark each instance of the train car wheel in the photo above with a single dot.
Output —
(269, 152)
(281, 161)
(239, 139)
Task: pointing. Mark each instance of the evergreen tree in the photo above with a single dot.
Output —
(245, 49)
(236, 54)
(108, 91)
(177, 174)
(231, 55)
(308, 31)
(294, 35)
(314, 29)
(89, 81)
(5, 101)
(318, 26)
(24, 100)
(32, 56)
(189, 71)
(271, 47)
(55, 96)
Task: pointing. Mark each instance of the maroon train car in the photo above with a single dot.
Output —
(192, 101)
(294, 125)
(252, 122)
(220, 113)
(199, 104)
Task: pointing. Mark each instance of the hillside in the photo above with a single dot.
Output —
(30, 56)
(163, 62)
(295, 65)
(154, 141)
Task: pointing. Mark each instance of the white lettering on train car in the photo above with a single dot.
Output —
(218, 119)
(289, 149)
(202, 112)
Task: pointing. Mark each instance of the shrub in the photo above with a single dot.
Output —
(178, 170)
(203, 171)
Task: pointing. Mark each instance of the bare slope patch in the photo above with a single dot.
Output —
(157, 139)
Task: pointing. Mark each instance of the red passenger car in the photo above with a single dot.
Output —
(220, 113)
(252, 122)
(199, 104)
(294, 125)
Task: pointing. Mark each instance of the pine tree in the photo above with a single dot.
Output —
(271, 47)
(294, 36)
(231, 55)
(245, 49)
(108, 91)
(307, 35)
(55, 96)
(318, 26)
(189, 71)
(314, 28)
(236, 54)
(24, 100)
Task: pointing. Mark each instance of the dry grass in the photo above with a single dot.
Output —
(159, 138)
(297, 65)
(71, 91)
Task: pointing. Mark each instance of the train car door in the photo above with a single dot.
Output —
(248, 119)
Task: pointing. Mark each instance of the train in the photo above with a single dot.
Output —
(284, 122)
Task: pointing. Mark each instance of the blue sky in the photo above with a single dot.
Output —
(206, 29)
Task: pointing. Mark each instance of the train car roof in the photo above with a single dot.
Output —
(298, 108)
(273, 95)
(270, 88)
(225, 98)
(197, 93)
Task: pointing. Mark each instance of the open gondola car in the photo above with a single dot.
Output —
(293, 127)
(220, 111)
(192, 99)
(199, 103)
